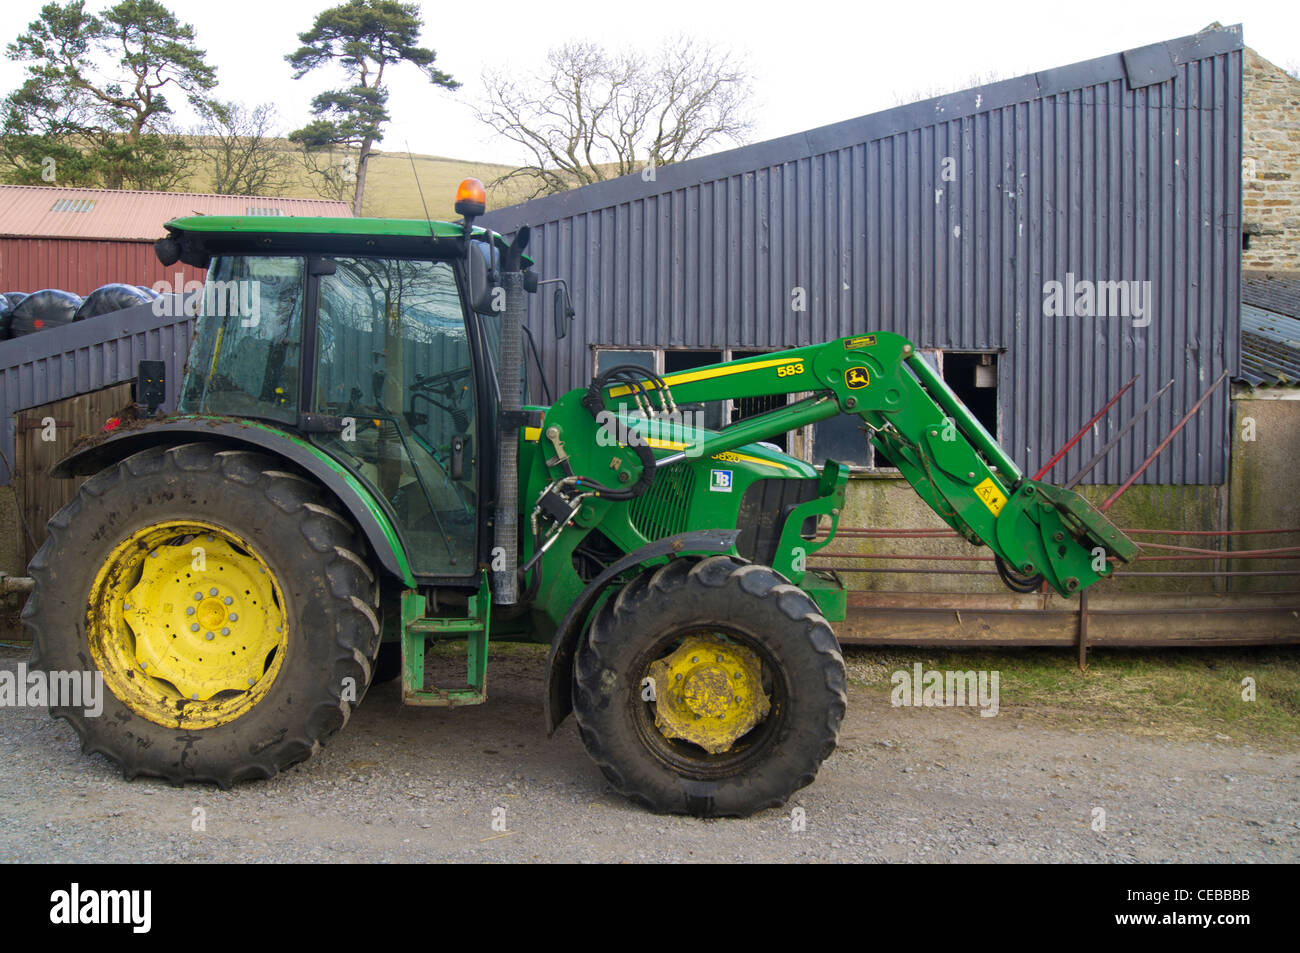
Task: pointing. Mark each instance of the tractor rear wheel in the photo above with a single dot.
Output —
(223, 602)
(712, 688)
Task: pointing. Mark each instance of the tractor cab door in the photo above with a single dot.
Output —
(394, 361)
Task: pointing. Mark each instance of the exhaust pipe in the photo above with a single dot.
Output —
(505, 580)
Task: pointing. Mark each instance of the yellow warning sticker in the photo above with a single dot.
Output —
(854, 343)
(991, 496)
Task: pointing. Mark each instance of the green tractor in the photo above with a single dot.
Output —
(353, 472)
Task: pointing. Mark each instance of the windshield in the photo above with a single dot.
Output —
(245, 356)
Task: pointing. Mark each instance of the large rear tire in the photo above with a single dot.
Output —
(223, 601)
(710, 687)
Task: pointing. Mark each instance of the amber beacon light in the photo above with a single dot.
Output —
(471, 198)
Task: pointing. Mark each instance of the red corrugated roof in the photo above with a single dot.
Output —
(45, 212)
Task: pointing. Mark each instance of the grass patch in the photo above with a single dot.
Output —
(1191, 695)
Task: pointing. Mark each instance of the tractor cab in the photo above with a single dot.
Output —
(356, 335)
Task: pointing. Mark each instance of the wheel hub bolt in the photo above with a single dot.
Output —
(227, 600)
(225, 631)
(209, 636)
(198, 596)
(194, 627)
(234, 617)
(212, 591)
(189, 610)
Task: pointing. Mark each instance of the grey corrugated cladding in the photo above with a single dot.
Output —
(1276, 291)
(1270, 348)
(85, 356)
(1125, 167)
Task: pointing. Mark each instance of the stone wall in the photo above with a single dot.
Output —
(1270, 160)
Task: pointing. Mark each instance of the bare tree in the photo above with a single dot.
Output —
(331, 170)
(592, 114)
(935, 90)
(243, 152)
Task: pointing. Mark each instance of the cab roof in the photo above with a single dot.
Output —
(306, 225)
(203, 236)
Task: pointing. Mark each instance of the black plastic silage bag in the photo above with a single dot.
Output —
(8, 301)
(49, 308)
(110, 298)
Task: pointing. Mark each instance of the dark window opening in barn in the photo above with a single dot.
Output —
(712, 412)
(612, 357)
(747, 407)
(973, 377)
(843, 439)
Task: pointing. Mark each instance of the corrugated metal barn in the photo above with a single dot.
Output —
(947, 221)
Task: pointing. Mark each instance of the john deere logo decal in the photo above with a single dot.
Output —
(857, 378)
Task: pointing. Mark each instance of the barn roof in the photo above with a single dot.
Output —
(1270, 348)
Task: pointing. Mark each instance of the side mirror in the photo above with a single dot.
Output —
(563, 311)
(483, 281)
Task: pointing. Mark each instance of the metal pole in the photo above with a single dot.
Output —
(1047, 467)
(1164, 443)
(1083, 631)
(1110, 444)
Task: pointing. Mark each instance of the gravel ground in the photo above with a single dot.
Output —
(907, 784)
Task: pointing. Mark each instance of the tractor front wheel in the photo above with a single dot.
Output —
(224, 604)
(709, 687)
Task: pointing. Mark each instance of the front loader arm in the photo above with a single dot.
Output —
(920, 426)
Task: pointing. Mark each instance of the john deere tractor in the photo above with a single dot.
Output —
(352, 474)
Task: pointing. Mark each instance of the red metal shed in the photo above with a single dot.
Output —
(80, 239)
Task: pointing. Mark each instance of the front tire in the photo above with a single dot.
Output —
(711, 688)
(224, 603)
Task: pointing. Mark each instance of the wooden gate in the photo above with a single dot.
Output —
(41, 495)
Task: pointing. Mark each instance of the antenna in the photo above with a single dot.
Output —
(427, 218)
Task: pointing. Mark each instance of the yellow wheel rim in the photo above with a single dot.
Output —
(709, 692)
(187, 624)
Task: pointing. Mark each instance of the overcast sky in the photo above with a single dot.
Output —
(815, 62)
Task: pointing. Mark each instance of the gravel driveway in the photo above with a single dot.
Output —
(909, 784)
